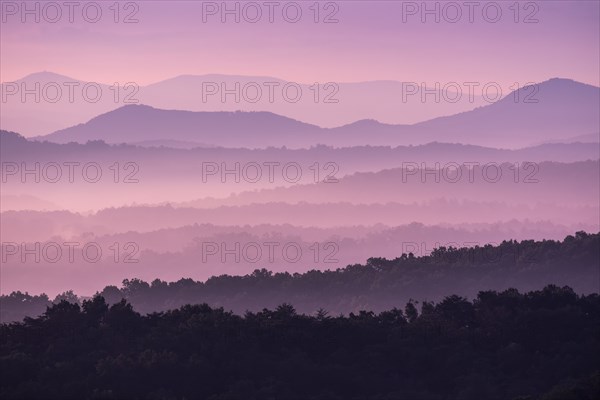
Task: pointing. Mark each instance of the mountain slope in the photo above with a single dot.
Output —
(137, 123)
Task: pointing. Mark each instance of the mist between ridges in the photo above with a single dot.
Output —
(69, 172)
(254, 172)
(53, 252)
(266, 92)
(272, 252)
(326, 252)
(424, 172)
(237, 92)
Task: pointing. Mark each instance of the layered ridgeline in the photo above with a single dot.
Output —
(378, 285)
(158, 213)
(563, 110)
(327, 104)
(183, 183)
(345, 109)
(92, 176)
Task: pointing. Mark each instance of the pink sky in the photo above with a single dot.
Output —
(370, 42)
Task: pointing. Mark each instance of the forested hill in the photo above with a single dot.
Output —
(542, 345)
(378, 285)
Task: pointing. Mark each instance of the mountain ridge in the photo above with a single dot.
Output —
(562, 109)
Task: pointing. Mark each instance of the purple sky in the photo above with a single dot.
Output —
(370, 42)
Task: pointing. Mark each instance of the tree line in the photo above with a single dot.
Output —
(378, 285)
(540, 345)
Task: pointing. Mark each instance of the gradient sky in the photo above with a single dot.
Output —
(370, 42)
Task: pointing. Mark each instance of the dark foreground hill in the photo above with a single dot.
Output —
(538, 345)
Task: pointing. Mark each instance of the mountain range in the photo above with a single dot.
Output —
(191, 110)
(327, 104)
(563, 111)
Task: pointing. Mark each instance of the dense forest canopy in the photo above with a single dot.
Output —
(539, 345)
(389, 329)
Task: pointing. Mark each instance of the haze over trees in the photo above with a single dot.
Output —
(387, 201)
(378, 285)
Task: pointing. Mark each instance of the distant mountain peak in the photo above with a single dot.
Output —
(365, 123)
(45, 76)
(566, 83)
